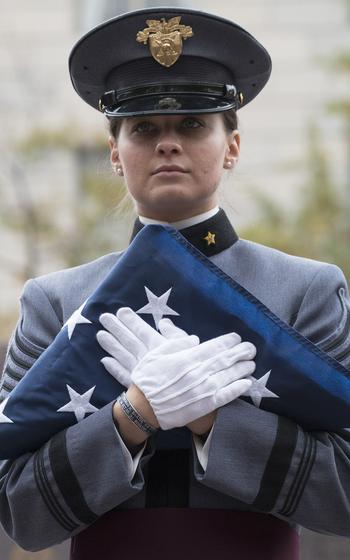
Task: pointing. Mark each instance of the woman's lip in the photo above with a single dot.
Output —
(169, 170)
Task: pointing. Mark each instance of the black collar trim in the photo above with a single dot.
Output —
(210, 237)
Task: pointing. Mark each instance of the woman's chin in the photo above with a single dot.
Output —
(170, 195)
(174, 202)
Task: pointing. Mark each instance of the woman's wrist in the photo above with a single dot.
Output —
(138, 400)
(202, 426)
(130, 433)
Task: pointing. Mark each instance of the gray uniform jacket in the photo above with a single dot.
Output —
(256, 460)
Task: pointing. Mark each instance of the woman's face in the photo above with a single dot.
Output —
(173, 164)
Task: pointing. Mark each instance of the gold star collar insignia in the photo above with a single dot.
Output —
(210, 238)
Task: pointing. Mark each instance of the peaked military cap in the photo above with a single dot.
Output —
(168, 60)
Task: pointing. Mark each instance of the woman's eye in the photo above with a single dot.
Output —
(191, 123)
(143, 127)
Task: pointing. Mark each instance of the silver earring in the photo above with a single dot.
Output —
(118, 171)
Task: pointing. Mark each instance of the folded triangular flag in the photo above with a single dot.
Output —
(161, 274)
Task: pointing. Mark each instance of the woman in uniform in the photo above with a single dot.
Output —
(170, 83)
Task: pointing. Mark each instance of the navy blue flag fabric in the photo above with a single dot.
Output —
(161, 274)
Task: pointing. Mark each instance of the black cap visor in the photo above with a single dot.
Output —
(157, 99)
(170, 105)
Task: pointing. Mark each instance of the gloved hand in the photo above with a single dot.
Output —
(128, 338)
(183, 382)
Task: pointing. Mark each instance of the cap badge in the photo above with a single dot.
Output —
(168, 103)
(165, 39)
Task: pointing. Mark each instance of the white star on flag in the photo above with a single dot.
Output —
(75, 319)
(157, 306)
(259, 390)
(79, 404)
(4, 419)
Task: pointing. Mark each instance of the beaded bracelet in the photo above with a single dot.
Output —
(134, 415)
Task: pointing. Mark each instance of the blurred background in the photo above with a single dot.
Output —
(58, 195)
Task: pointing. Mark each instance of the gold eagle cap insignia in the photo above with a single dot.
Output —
(165, 39)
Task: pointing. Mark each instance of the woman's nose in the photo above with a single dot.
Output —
(168, 146)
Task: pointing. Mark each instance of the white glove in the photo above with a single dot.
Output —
(183, 382)
(128, 338)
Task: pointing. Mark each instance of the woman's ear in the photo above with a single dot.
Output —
(114, 156)
(233, 150)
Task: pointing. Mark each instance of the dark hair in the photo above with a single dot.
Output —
(230, 121)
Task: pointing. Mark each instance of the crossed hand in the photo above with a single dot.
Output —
(181, 378)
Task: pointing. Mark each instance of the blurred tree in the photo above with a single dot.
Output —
(341, 107)
(36, 222)
(102, 209)
(320, 229)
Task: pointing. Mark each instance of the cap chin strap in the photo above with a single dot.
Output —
(110, 100)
